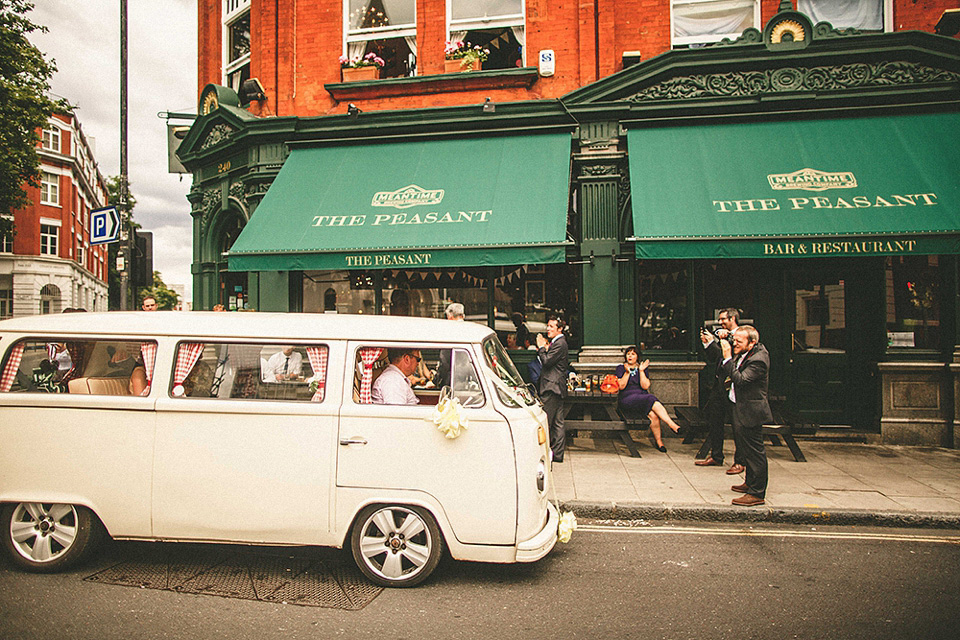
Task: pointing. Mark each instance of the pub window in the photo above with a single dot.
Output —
(236, 42)
(864, 15)
(387, 28)
(663, 314)
(913, 302)
(51, 139)
(697, 22)
(495, 25)
(6, 301)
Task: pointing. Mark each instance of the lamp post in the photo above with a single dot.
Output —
(124, 215)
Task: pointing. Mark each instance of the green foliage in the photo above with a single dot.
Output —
(166, 298)
(24, 106)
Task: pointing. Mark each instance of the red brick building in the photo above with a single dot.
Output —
(49, 264)
(293, 48)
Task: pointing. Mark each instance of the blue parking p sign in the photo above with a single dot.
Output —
(104, 225)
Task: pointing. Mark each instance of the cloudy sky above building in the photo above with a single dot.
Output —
(84, 40)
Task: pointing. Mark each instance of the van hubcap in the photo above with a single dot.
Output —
(43, 532)
(395, 542)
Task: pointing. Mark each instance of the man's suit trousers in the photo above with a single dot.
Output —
(553, 405)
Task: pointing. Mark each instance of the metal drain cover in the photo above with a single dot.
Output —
(248, 576)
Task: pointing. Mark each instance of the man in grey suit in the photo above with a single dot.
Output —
(552, 353)
(748, 368)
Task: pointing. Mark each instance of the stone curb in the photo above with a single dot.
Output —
(764, 514)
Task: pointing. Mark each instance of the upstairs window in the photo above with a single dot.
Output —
(387, 28)
(49, 240)
(236, 43)
(495, 25)
(865, 15)
(695, 22)
(51, 139)
(50, 189)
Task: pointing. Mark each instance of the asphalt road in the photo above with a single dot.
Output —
(648, 582)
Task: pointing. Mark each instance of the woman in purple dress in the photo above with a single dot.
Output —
(635, 397)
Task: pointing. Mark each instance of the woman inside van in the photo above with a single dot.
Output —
(635, 397)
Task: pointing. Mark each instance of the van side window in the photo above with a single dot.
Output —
(250, 371)
(424, 377)
(91, 367)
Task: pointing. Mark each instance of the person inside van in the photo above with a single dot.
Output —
(393, 385)
(283, 365)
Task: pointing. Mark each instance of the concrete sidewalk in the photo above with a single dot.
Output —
(841, 483)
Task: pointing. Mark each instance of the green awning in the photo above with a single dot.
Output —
(401, 205)
(842, 187)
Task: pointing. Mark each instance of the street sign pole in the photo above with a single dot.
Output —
(124, 214)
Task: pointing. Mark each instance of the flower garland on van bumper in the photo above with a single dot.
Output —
(568, 524)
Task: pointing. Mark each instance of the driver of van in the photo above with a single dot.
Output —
(393, 385)
(283, 365)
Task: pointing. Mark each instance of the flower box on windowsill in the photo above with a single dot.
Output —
(456, 66)
(361, 74)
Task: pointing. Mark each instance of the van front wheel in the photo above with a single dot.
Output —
(396, 546)
(45, 537)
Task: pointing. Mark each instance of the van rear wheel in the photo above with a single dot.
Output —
(396, 546)
(46, 537)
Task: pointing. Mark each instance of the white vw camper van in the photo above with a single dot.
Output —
(260, 428)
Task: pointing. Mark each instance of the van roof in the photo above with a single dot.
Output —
(280, 326)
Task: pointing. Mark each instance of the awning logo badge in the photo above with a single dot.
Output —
(409, 196)
(812, 180)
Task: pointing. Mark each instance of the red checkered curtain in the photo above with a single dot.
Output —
(149, 352)
(187, 356)
(10, 371)
(77, 351)
(318, 360)
(368, 355)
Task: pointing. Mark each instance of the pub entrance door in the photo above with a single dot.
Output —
(831, 315)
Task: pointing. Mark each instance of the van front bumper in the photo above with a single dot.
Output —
(540, 545)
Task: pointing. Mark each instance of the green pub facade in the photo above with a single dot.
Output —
(806, 176)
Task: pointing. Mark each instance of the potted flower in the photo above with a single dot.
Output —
(462, 56)
(358, 69)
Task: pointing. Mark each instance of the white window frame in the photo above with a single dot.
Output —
(233, 10)
(351, 36)
(50, 189)
(6, 241)
(6, 301)
(492, 22)
(708, 38)
(50, 139)
(45, 237)
(887, 6)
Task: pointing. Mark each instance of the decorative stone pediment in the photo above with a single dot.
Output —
(217, 134)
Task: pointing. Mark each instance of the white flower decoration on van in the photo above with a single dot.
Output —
(568, 524)
(448, 415)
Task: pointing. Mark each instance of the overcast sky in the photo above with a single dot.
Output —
(84, 40)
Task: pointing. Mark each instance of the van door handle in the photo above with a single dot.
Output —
(348, 441)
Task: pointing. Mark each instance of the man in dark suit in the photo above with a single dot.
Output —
(718, 406)
(552, 353)
(748, 368)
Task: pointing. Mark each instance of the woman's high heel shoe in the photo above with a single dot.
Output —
(661, 448)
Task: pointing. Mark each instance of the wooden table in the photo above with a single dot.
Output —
(597, 411)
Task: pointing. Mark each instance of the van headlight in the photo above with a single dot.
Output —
(541, 476)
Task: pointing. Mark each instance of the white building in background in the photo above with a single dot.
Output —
(48, 264)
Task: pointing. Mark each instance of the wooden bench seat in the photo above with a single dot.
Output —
(694, 422)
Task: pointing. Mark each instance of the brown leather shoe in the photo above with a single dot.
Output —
(739, 488)
(735, 469)
(707, 462)
(747, 500)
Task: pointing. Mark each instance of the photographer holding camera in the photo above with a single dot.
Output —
(719, 408)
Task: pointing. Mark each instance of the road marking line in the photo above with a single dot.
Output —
(773, 533)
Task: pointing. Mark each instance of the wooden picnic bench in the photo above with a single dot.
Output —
(694, 423)
(598, 411)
